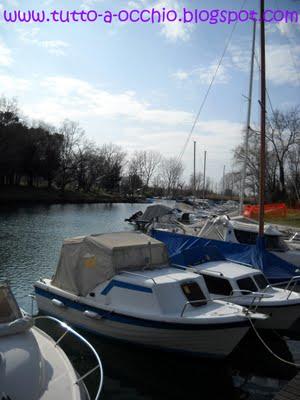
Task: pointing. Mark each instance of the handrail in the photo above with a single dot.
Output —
(256, 295)
(76, 334)
(293, 237)
(193, 269)
(141, 275)
(227, 299)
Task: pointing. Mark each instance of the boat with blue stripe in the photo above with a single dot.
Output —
(122, 286)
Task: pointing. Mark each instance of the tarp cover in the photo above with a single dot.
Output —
(87, 261)
(155, 211)
(188, 250)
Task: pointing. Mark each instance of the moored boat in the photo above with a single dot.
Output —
(121, 285)
(32, 365)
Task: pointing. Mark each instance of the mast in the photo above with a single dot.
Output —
(194, 173)
(246, 143)
(224, 173)
(262, 121)
(204, 174)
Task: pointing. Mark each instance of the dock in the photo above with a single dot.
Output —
(291, 391)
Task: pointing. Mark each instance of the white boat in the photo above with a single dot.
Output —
(32, 365)
(249, 287)
(121, 285)
(234, 231)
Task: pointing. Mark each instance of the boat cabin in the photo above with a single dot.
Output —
(228, 230)
(227, 278)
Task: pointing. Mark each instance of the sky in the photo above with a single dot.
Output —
(140, 85)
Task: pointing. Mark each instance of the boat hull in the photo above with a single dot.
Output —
(281, 318)
(211, 341)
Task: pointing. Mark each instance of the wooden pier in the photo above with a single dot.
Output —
(291, 391)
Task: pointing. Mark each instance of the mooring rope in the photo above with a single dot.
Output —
(270, 350)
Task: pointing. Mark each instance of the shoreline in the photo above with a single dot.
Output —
(22, 196)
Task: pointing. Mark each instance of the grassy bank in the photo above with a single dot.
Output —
(292, 219)
(26, 195)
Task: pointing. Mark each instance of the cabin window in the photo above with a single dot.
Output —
(245, 237)
(193, 293)
(217, 285)
(261, 281)
(246, 285)
(275, 243)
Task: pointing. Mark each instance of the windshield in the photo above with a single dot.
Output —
(273, 243)
(261, 281)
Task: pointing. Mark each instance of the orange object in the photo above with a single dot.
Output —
(272, 210)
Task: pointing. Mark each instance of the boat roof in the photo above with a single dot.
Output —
(227, 269)
(155, 211)
(247, 227)
(161, 276)
(116, 240)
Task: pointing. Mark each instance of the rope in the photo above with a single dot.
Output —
(270, 350)
(209, 88)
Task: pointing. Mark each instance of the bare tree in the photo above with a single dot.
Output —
(283, 131)
(146, 163)
(72, 136)
(171, 173)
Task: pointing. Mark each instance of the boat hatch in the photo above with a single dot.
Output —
(246, 285)
(193, 293)
(218, 285)
(9, 309)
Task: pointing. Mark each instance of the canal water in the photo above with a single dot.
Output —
(30, 242)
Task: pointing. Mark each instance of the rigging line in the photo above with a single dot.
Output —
(209, 88)
(268, 94)
(290, 44)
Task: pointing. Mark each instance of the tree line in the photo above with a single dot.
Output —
(37, 155)
(282, 155)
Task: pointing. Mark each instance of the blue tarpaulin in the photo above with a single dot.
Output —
(188, 250)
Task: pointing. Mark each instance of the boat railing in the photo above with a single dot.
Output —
(252, 307)
(140, 275)
(295, 237)
(98, 366)
(248, 308)
(289, 285)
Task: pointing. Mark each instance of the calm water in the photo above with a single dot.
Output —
(30, 241)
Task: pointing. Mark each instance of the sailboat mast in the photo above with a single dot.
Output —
(204, 174)
(262, 121)
(247, 133)
(194, 201)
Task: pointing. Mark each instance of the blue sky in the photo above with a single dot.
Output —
(141, 85)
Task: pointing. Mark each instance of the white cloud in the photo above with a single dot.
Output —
(181, 75)
(283, 62)
(288, 29)
(128, 121)
(5, 55)
(66, 97)
(172, 31)
(30, 36)
(12, 86)
(204, 74)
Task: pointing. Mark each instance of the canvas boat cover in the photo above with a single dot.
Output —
(155, 211)
(217, 228)
(188, 250)
(87, 261)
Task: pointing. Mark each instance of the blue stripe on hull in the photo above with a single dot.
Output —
(124, 285)
(125, 319)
